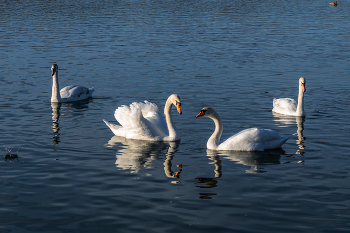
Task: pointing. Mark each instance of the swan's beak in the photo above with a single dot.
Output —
(200, 114)
(179, 108)
(303, 86)
(52, 72)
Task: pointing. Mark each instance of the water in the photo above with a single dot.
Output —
(71, 175)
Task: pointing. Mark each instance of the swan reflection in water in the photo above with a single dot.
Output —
(135, 155)
(255, 160)
(291, 120)
(56, 108)
(211, 181)
(71, 110)
(168, 158)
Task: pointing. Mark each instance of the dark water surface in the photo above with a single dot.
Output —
(71, 175)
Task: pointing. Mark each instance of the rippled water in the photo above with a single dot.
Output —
(72, 175)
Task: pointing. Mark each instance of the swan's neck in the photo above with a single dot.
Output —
(300, 107)
(214, 139)
(55, 97)
(169, 121)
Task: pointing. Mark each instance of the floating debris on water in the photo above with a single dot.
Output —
(10, 155)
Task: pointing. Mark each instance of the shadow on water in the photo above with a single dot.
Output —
(56, 113)
(135, 155)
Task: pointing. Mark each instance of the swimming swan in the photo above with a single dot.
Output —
(252, 139)
(143, 121)
(68, 93)
(287, 106)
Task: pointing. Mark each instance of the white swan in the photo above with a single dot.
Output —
(287, 106)
(143, 121)
(68, 93)
(252, 139)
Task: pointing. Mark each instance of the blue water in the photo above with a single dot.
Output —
(70, 174)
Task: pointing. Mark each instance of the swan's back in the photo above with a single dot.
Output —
(286, 106)
(254, 139)
(76, 92)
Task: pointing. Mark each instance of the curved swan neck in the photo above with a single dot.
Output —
(300, 108)
(214, 139)
(169, 121)
(55, 97)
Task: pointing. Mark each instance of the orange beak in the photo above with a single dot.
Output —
(200, 114)
(303, 86)
(179, 108)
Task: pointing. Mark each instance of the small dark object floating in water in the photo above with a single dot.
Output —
(10, 155)
(334, 3)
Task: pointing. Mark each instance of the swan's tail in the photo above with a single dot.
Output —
(277, 143)
(91, 90)
(116, 129)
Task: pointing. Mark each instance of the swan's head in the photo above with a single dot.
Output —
(54, 69)
(206, 111)
(175, 99)
(302, 83)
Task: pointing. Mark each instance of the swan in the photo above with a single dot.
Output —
(144, 122)
(68, 93)
(252, 139)
(287, 106)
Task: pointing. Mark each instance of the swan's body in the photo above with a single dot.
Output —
(143, 121)
(68, 93)
(287, 106)
(252, 139)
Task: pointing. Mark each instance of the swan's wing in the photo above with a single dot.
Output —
(285, 106)
(151, 113)
(139, 121)
(252, 139)
(75, 91)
